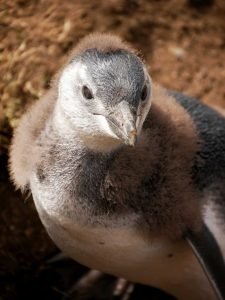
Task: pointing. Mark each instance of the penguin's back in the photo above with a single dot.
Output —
(209, 165)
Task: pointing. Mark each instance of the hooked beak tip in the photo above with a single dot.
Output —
(132, 138)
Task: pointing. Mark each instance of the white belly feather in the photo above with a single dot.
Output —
(125, 252)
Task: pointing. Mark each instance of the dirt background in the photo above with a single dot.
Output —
(182, 41)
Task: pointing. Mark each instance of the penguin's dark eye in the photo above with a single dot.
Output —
(144, 93)
(87, 93)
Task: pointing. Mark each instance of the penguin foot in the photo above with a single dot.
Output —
(61, 278)
(119, 290)
(84, 283)
(123, 289)
(75, 282)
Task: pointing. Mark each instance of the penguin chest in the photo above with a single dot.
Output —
(120, 249)
(124, 251)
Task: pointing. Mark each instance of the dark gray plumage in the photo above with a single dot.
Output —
(210, 126)
(120, 169)
(103, 68)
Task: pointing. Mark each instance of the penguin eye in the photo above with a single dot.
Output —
(87, 93)
(144, 93)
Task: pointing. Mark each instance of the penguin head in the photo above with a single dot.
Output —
(105, 95)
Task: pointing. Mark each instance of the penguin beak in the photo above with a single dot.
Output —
(123, 123)
(131, 132)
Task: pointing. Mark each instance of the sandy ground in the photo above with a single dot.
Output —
(183, 43)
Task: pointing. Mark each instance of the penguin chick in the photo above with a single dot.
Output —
(122, 170)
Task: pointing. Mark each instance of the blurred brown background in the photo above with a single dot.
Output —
(182, 41)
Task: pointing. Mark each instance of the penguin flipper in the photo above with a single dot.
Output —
(208, 253)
